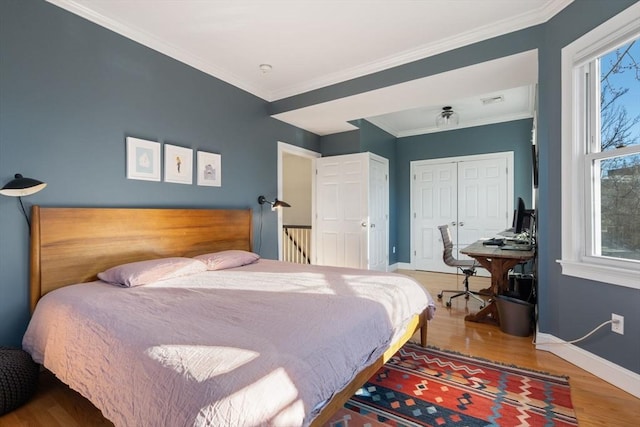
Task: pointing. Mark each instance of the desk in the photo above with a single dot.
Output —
(498, 262)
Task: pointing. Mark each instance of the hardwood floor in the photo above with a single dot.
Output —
(596, 402)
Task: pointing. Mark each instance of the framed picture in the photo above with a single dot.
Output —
(178, 164)
(143, 159)
(209, 169)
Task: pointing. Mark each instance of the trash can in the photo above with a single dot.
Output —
(516, 316)
(522, 286)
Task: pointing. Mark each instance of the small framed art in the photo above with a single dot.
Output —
(143, 159)
(178, 164)
(209, 169)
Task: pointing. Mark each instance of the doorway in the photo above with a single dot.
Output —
(295, 186)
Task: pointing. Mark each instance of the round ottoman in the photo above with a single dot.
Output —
(18, 378)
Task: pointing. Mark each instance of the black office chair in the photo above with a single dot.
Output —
(468, 268)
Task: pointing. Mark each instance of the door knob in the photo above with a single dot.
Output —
(462, 224)
(364, 223)
(373, 226)
(453, 223)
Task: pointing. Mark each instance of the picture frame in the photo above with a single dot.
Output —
(178, 164)
(143, 159)
(209, 169)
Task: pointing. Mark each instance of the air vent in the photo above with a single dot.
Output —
(492, 100)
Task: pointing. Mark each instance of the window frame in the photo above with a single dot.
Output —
(578, 189)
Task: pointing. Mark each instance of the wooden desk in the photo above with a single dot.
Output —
(498, 262)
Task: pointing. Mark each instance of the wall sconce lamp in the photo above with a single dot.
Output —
(275, 204)
(21, 186)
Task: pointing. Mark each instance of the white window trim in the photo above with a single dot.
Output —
(575, 223)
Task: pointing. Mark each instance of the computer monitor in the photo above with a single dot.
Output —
(521, 213)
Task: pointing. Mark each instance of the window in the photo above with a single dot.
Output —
(601, 152)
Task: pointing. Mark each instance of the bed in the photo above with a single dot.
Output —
(256, 342)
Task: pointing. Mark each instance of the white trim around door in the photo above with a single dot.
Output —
(283, 148)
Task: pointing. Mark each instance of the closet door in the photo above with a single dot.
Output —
(434, 202)
(471, 194)
(378, 214)
(482, 199)
(341, 226)
(351, 219)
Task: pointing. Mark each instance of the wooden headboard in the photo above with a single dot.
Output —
(72, 245)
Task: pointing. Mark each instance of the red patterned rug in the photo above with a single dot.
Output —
(428, 387)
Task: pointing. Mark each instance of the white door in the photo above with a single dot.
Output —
(471, 194)
(341, 210)
(378, 214)
(434, 203)
(347, 233)
(482, 199)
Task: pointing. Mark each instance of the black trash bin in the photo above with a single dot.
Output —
(522, 286)
(516, 316)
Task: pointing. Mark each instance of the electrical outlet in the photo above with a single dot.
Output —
(618, 325)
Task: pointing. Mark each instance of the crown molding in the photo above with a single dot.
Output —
(499, 28)
(505, 26)
(158, 45)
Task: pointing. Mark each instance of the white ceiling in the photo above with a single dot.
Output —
(315, 43)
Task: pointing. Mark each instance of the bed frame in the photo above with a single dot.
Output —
(72, 245)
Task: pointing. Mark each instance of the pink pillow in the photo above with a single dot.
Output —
(228, 259)
(144, 272)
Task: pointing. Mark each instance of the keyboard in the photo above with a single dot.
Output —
(493, 242)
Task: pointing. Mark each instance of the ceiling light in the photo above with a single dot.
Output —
(265, 68)
(447, 118)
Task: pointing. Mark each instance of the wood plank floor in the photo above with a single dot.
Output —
(596, 402)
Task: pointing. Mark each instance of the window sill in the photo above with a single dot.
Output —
(601, 273)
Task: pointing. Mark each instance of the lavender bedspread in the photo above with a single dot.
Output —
(264, 344)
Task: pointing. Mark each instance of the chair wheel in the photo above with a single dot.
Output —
(439, 296)
(466, 297)
(481, 306)
(448, 304)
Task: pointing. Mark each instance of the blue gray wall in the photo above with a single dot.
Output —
(71, 91)
(340, 143)
(509, 136)
(568, 307)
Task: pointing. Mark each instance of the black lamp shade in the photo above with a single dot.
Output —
(275, 204)
(21, 186)
(280, 204)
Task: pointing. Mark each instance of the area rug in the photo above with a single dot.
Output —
(430, 387)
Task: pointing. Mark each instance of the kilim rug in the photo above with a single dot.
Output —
(429, 387)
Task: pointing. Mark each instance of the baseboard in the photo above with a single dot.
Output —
(617, 375)
(403, 266)
(393, 267)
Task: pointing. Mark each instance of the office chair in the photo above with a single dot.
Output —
(468, 268)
